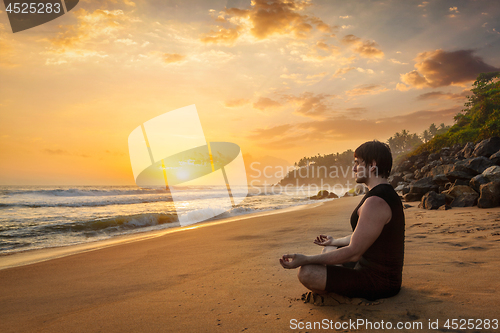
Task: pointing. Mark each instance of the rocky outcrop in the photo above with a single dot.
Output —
(466, 175)
(395, 179)
(495, 158)
(463, 196)
(419, 188)
(324, 194)
(478, 164)
(487, 147)
(492, 173)
(490, 195)
(477, 181)
(432, 200)
(466, 151)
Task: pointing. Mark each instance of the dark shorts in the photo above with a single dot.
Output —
(358, 282)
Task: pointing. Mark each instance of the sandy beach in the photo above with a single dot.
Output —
(226, 278)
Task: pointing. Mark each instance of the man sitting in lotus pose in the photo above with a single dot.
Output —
(376, 246)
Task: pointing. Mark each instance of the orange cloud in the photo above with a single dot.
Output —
(441, 68)
(365, 89)
(267, 18)
(402, 87)
(308, 104)
(442, 95)
(330, 49)
(323, 46)
(90, 25)
(172, 57)
(366, 48)
(222, 35)
(342, 71)
(265, 103)
(311, 105)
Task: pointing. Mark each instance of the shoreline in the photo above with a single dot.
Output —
(28, 257)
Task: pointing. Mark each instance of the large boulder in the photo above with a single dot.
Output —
(395, 179)
(460, 171)
(424, 185)
(428, 167)
(478, 164)
(495, 158)
(457, 174)
(432, 200)
(476, 182)
(323, 194)
(463, 195)
(439, 169)
(399, 188)
(461, 182)
(489, 195)
(487, 147)
(408, 197)
(492, 173)
(408, 177)
(440, 179)
(466, 151)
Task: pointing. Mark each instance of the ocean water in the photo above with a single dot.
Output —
(34, 217)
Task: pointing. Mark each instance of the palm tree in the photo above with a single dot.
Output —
(426, 136)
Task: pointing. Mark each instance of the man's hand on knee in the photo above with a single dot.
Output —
(324, 240)
(293, 260)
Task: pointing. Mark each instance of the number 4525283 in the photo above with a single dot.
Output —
(33, 8)
(478, 324)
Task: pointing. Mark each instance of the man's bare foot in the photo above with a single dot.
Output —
(333, 299)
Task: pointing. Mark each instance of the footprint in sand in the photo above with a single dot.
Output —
(333, 299)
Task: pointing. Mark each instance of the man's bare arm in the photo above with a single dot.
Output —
(373, 215)
(324, 240)
(344, 241)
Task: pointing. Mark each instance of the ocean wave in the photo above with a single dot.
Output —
(86, 203)
(79, 192)
(112, 224)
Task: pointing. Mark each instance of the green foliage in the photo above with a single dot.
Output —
(478, 121)
(403, 142)
(345, 158)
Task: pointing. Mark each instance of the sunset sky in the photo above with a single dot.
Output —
(282, 79)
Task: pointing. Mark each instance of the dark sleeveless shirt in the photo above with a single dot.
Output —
(386, 255)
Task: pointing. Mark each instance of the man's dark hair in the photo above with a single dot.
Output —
(376, 151)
